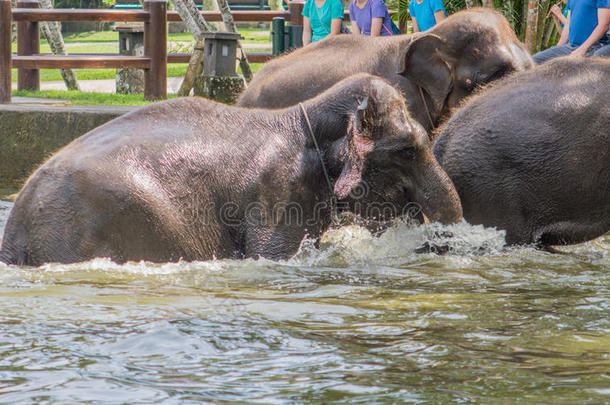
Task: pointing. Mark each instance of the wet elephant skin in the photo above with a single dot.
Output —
(531, 154)
(449, 62)
(193, 179)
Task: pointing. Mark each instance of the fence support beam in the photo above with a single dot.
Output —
(155, 48)
(28, 43)
(277, 36)
(296, 10)
(5, 51)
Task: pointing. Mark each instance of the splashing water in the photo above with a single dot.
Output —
(359, 319)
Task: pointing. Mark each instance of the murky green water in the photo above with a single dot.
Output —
(361, 321)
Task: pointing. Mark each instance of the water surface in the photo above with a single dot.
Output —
(361, 320)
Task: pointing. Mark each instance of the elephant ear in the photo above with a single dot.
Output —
(426, 63)
(359, 146)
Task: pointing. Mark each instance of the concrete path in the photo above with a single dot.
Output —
(102, 86)
(49, 105)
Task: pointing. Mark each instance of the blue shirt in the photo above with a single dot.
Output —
(372, 9)
(424, 12)
(583, 19)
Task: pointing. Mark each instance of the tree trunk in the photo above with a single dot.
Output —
(196, 25)
(52, 32)
(276, 5)
(547, 33)
(211, 5)
(227, 17)
(13, 26)
(194, 21)
(532, 25)
(193, 70)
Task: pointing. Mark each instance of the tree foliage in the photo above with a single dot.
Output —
(515, 12)
(51, 30)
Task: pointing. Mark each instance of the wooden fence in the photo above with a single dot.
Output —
(155, 17)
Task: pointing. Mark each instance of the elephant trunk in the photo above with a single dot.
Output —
(436, 194)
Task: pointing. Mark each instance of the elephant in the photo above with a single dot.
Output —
(191, 179)
(434, 70)
(531, 154)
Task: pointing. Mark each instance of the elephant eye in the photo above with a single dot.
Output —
(406, 153)
(501, 72)
(478, 78)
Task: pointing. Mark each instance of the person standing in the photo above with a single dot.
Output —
(370, 17)
(425, 14)
(585, 32)
(321, 18)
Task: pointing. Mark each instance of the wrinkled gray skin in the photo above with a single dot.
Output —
(467, 50)
(193, 179)
(531, 155)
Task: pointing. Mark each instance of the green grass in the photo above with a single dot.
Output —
(81, 74)
(255, 67)
(173, 70)
(83, 47)
(112, 36)
(82, 98)
(92, 36)
(250, 35)
(176, 69)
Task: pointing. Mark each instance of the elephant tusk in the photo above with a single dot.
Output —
(426, 220)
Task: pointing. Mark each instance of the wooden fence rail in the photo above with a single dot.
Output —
(20, 14)
(154, 15)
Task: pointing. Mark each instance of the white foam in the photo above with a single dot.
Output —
(354, 244)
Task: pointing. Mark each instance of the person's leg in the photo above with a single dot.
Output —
(603, 52)
(553, 52)
(593, 49)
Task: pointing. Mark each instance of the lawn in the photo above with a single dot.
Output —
(107, 42)
(173, 70)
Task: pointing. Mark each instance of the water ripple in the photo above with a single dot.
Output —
(361, 319)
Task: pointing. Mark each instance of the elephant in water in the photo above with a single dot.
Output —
(434, 70)
(193, 179)
(531, 155)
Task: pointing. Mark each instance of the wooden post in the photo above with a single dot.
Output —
(28, 43)
(5, 51)
(155, 48)
(296, 8)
